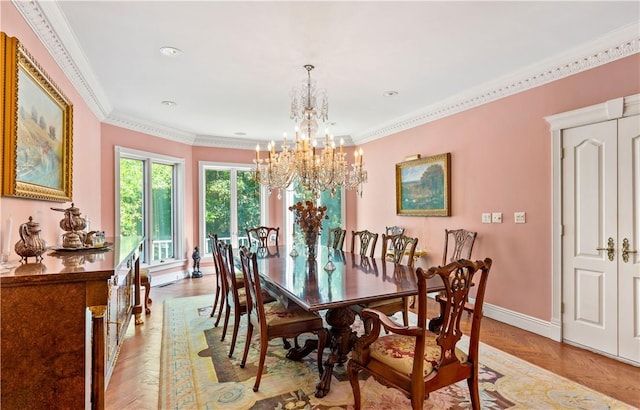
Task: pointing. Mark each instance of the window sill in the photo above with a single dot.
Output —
(161, 266)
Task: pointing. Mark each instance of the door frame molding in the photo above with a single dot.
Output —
(609, 110)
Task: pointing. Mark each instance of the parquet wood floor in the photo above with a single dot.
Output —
(140, 355)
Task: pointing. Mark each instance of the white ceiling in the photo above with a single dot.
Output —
(240, 60)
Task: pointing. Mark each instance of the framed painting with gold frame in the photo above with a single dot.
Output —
(423, 186)
(37, 127)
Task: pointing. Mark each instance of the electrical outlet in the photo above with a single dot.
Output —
(519, 217)
(496, 217)
(486, 218)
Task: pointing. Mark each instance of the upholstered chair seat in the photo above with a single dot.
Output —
(397, 352)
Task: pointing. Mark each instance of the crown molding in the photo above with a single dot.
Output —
(46, 20)
(147, 127)
(616, 45)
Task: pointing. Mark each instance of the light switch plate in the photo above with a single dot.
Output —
(519, 217)
(486, 218)
(496, 217)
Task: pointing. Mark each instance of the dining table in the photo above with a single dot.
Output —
(334, 284)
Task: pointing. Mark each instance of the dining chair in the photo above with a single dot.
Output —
(225, 286)
(274, 320)
(393, 230)
(414, 359)
(402, 246)
(235, 293)
(263, 236)
(335, 238)
(458, 244)
(366, 242)
(396, 247)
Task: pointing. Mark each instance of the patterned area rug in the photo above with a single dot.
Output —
(195, 373)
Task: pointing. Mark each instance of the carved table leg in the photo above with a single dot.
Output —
(341, 341)
(298, 353)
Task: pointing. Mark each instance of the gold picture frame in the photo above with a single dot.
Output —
(423, 186)
(37, 118)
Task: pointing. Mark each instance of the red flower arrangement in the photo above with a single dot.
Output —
(308, 216)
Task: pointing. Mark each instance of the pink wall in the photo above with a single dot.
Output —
(501, 162)
(86, 143)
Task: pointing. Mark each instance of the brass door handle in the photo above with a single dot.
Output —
(626, 251)
(611, 252)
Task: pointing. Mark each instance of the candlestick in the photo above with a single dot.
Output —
(257, 153)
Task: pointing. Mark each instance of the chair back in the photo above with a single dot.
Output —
(366, 242)
(255, 303)
(394, 230)
(213, 244)
(457, 278)
(396, 247)
(263, 236)
(335, 238)
(227, 268)
(458, 244)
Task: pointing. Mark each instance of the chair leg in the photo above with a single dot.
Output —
(147, 301)
(234, 337)
(264, 342)
(226, 322)
(353, 371)
(405, 312)
(223, 303)
(322, 341)
(215, 301)
(474, 392)
(246, 344)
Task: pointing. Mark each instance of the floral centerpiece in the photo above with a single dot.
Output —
(309, 218)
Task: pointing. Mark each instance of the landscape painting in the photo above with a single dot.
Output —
(37, 154)
(423, 186)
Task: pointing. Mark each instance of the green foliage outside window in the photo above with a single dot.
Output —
(218, 202)
(131, 199)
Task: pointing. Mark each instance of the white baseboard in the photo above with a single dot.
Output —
(163, 279)
(528, 323)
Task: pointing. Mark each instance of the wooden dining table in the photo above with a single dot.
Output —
(335, 282)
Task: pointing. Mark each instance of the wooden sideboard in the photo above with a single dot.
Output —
(62, 322)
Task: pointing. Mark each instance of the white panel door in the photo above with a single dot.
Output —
(589, 195)
(629, 230)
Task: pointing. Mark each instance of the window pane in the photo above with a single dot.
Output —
(162, 211)
(217, 204)
(334, 212)
(131, 197)
(248, 204)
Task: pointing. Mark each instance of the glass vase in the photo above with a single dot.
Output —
(311, 240)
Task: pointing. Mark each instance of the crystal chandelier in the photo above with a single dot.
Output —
(316, 168)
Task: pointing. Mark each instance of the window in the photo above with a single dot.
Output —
(230, 202)
(149, 198)
(335, 210)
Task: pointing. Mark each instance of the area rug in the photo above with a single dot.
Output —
(196, 373)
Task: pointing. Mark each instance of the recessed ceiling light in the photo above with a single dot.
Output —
(170, 51)
(240, 133)
(168, 103)
(390, 93)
